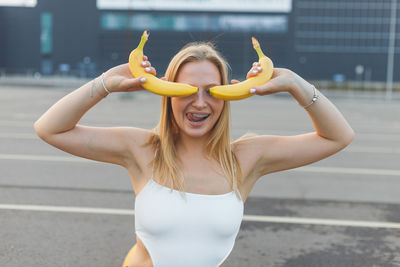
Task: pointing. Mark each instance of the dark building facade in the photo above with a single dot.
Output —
(344, 35)
(318, 39)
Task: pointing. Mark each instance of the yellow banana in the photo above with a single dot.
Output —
(153, 84)
(241, 90)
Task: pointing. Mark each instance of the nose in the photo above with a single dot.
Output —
(200, 99)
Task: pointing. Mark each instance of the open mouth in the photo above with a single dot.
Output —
(197, 117)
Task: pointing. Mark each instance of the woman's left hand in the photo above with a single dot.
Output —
(282, 80)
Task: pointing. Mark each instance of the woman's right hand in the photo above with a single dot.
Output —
(120, 79)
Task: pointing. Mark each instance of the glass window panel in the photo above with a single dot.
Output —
(195, 22)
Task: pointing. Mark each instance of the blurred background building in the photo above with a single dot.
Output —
(326, 40)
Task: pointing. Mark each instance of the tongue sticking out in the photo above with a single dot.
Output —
(193, 118)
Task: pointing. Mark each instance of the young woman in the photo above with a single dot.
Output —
(189, 178)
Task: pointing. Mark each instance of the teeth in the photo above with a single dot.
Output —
(199, 116)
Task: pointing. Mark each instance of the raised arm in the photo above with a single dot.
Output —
(58, 125)
(266, 154)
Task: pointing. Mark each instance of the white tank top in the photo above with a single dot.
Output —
(198, 232)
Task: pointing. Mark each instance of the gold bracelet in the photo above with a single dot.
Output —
(314, 99)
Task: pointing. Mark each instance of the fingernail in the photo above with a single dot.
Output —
(252, 91)
(144, 63)
(259, 68)
(143, 79)
(254, 71)
(147, 69)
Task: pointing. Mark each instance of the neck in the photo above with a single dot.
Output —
(195, 146)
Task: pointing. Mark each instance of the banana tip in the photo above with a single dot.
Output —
(255, 42)
(146, 34)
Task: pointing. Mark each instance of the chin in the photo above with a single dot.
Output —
(197, 133)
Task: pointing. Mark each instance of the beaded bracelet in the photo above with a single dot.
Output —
(314, 99)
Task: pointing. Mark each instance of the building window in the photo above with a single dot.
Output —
(356, 26)
(194, 22)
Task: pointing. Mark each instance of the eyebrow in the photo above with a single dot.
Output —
(207, 85)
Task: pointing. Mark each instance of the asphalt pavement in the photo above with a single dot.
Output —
(60, 210)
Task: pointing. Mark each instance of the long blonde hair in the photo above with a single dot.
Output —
(165, 163)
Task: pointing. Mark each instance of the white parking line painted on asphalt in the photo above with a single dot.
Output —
(45, 158)
(365, 171)
(18, 136)
(374, 150)
(249, 218)
(330, 222)
(359, 136)
(377, 136)
(86, 210)
(349, 149)
(16, 123)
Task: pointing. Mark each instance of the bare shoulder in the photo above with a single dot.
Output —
(249, 151)
(139, 152)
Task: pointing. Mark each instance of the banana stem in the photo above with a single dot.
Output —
(256, 46)
(143, 40)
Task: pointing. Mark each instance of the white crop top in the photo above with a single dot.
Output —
(198, 232)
